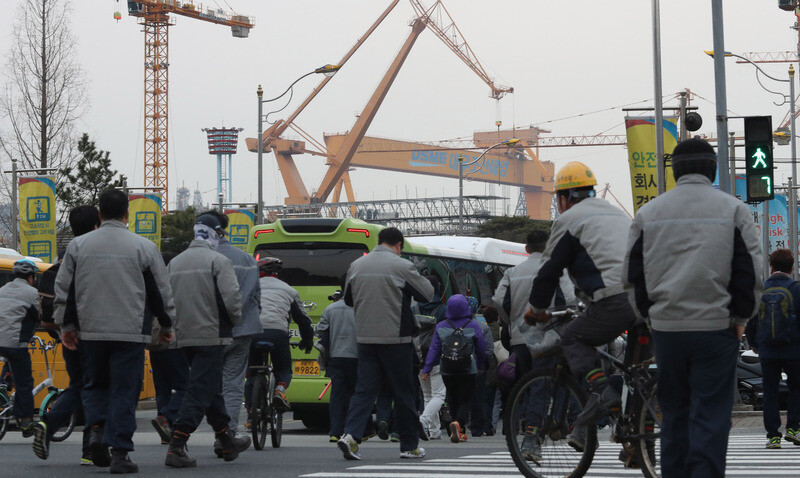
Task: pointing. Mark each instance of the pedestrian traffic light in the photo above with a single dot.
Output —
(758, 154)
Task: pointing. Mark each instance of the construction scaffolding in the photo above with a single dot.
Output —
(415, 217)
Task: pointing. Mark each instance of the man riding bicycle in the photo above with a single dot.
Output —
(280, 303)
(588, 239)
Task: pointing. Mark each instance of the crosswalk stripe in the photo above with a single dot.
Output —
(747, 457)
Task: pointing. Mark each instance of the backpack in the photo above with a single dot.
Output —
(456, 352)
(776, 317)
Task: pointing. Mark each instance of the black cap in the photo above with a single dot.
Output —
(336, 295)
(210, 221)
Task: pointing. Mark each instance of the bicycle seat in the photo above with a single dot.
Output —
(262, 345)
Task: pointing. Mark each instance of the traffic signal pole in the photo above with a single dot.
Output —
(721, 96)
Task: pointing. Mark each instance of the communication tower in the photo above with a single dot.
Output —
(222, 142)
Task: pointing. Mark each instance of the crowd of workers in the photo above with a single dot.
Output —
(687, 266)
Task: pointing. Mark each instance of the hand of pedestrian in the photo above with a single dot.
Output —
(425, 377)
(166, 337)
(739, 329)
(70, 340)
(532, 318)
(306, 345)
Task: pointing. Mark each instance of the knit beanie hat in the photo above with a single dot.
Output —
(694, 156)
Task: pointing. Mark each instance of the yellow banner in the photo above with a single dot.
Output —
(240, 221)
(642, 156)
(37, 217)
(144, 216)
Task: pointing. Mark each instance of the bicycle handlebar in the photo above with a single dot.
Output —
(36, 338)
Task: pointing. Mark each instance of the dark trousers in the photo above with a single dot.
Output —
(343, 373)
(393, 364)
(204, 390)
(384, 408)
(170, 373)
(488, 409)
(477, 423)
(460, 389)
(602, 322)
(112, 380)
(280, 354)
(69, 401)
(19, 359)
(696, 372)
(771, 370)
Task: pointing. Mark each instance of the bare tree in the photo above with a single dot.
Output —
(44, 94)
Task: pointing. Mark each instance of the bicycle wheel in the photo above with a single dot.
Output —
(647, 420)
(259, 411)
(550, 402)
(5, 413)
(65, 431)
(275, 418)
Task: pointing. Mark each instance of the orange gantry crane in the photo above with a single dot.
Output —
(354, 149)
(154, 17)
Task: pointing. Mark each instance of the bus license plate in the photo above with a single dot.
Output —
(306, 367)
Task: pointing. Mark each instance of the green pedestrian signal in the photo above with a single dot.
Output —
(760, 176)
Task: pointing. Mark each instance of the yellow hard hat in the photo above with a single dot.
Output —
(574, 175)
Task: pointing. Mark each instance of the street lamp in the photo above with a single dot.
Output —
(327, 70)
(792, 199)
(461, 164)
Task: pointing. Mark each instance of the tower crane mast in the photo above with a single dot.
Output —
(154, 16)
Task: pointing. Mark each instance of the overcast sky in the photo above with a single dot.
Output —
(562, 58)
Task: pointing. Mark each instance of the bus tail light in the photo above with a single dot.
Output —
(262, 231)
(365, 231)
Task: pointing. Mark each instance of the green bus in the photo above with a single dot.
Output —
(316, 254)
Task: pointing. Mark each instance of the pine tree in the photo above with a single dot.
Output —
(92, 174)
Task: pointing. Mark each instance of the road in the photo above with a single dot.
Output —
(308, 454)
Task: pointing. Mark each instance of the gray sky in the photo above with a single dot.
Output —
(562, 58)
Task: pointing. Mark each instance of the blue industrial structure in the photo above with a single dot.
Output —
(223, 142)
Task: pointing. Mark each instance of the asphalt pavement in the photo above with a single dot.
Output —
(308, 453)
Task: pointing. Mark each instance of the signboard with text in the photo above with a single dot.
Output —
(642, 156)
(240, 221)
(144, 216)
(37, 217)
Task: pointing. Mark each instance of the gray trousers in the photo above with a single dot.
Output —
(602, 322)
(234, 366)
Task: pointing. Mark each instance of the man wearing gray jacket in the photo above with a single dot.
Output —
(379, 287)
(693, 269)
(110, 287)
(235, 358)
(208, 306)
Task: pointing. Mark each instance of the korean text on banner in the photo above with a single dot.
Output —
(642, 156)
(37, 217)
(144, 216)
(240, 223)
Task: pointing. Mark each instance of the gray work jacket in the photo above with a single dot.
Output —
(246, 269)
(337, 330)
(19, 313)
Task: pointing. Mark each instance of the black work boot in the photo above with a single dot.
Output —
(231, 444)
(218, 448)
(603, 400)
(121, 463)
(176, 454)
(99, 451)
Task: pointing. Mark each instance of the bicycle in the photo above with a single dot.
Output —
(561, 398)
(7, 399)
(264, 417)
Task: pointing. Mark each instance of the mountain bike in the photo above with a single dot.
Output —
(264, 417)
(553, 398)
(53, 393)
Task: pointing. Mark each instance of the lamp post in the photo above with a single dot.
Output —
(791, 197)
(327, 70)
(461, 165)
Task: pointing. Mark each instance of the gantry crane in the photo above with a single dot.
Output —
(154, 17)
(340, 150)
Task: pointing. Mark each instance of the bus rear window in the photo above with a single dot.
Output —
(313, 263)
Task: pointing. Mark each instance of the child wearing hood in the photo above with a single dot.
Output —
(460, 386)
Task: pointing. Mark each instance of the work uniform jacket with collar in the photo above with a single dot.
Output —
(246, 269)
(279, 304)
(589, 241)
(207, 300)
(694, 260)
(19, 313)
(337, 330)
(513, 293)
(110, 286)
(379, 287)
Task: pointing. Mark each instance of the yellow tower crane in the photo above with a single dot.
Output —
(153, 15)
